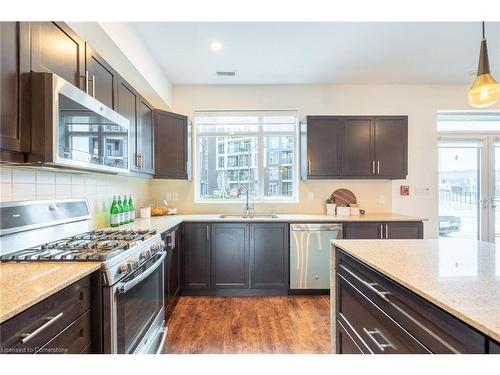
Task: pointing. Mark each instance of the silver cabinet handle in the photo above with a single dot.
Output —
(87, 81)
(372, 286)
(381, 231)
(387, 231)
(163, 333)
(208, 233)
(378, 166)
(308, 166)
(373, 166)
(50, 320)
(93, 86)
(382, 346)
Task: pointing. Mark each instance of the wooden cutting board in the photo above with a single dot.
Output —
(344, 197)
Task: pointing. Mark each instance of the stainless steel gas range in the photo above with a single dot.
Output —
(132, 265)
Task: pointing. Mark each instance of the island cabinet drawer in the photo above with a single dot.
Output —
(32, 329)
(75, 339)
(438, 330)
(376, 331)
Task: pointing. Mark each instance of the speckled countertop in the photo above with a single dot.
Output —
(461, 276)
(24, 284)
(163, 223)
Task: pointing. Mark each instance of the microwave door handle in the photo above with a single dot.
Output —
(122, 288)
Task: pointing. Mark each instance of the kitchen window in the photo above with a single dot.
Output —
(256, 149)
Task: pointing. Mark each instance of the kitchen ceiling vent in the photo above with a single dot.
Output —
(226, 74)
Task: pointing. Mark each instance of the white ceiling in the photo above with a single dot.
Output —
(336, 52)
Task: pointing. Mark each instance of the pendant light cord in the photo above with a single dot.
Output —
(483, 29)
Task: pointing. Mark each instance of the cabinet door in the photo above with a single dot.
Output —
(196, 256)
(494, 347)
(229, 255)
(172, 271)
(345, 342)
(14, 64)
(404, 230)
(269, 256)
(101, 78)
(324, 137)
(391, 147)
(57, 49)
(171, 145)
(362, 230)
(357, 148)
(128, 107)
(145, 137)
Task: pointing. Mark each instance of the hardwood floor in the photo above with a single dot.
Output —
(284, 325)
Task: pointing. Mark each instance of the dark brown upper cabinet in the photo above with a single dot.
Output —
(56, 48)
(357, 152)
(145, 137)
(101, 79)
(128, 106)
(391, 146)
(354, 147)
(172, 145)
(323, 140)
(14, 113)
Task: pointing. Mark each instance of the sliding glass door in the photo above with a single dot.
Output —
(469, 187)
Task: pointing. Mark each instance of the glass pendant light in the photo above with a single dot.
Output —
(485, 90)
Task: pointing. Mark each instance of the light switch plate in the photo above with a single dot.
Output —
(310, 196)
(381, 199)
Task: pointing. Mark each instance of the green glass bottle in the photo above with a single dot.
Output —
(131, 207)
(120, 208)
(126, 219)
(115, 213)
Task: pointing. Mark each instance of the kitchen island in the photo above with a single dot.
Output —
(415, 296)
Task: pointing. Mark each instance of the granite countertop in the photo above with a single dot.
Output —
(22, 285)
(460, 276)
(163, 223)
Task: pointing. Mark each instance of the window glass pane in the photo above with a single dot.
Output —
(230, 143)
(220, 180)
(278, 166)
(459, 190)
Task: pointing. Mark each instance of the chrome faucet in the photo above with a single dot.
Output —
(247, 206)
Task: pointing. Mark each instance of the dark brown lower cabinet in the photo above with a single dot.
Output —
(403, 323)
(229, 254)
(196, 256)
(66, 322)
(235, 259)
(494, 347)
(269, 252)
(387, 230)
(172, 284)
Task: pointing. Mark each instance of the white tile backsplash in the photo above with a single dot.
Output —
(23, 176)
(19, 183)
(45, 177)
(5, 175)
(63, 178)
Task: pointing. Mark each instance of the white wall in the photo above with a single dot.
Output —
(419, 102)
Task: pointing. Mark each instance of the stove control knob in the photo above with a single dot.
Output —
(123, 268)
(130, 265)
(145, 254)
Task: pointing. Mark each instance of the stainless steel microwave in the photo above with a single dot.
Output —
(71, 129)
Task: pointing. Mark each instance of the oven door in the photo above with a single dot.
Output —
(137, 315)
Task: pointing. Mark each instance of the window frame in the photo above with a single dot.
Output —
(260, 136)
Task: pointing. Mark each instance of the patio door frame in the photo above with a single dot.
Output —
(486, 165)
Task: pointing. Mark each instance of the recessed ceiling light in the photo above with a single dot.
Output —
(216, 46)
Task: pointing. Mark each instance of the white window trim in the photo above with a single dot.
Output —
(260, 167)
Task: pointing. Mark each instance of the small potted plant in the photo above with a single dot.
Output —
(330, 206)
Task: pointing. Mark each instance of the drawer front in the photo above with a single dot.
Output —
(35, 327)
(379, 333)
(75, 339)
(439, 331)
(347, 343)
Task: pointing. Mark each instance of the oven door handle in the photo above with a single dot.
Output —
(122, 288)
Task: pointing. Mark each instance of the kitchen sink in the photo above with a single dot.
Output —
(251, 216)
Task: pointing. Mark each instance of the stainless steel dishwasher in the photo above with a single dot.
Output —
(310, 254)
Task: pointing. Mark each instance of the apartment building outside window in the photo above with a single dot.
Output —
(256, 149)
